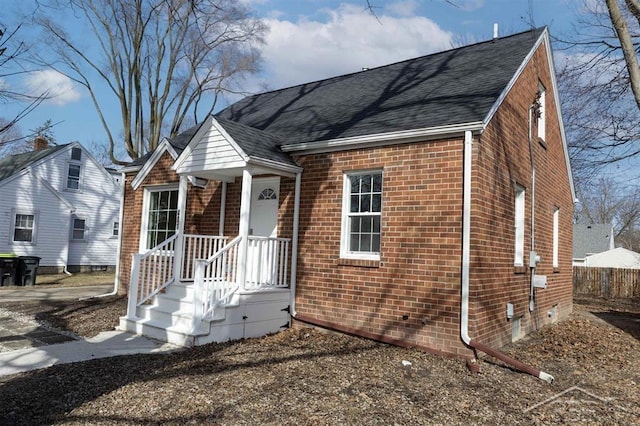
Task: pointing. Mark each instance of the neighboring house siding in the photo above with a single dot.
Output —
(502, 160)
(97, 201)
(27, 195)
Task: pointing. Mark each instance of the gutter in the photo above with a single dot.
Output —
(466, 251)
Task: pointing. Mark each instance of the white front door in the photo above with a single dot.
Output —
(263, 222)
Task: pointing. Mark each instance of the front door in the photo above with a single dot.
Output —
(263, 222)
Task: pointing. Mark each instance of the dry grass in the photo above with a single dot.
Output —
(75, 280)
(308, 377)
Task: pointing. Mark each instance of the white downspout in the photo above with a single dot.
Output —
(116, 281)
(466, 251)
(294, 244)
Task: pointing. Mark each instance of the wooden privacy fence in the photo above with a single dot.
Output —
(606, 282)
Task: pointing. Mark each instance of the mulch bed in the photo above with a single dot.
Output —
(311, 377)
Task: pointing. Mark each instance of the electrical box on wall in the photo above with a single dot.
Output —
(540, 281)
(534, 259)
(509, 310)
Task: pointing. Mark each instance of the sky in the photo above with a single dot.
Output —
(310, 40)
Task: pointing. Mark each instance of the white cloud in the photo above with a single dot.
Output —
(349, 39)
(61, 90)
(403, 8)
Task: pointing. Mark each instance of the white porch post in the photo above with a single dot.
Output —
(223, 203)
(182, 214)
(243, 228)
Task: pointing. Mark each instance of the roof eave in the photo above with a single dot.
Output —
(381, 139)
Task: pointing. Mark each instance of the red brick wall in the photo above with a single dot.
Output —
(418, 277)
(501, 160)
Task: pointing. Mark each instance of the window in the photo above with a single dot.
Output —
(361, 215)
(556, 219)
(519, 226)
(23, 230)
(268, 194)
(78, 230)
(73, 177)
(76, 154)
(162, 217)
(116, 229)
(541, 112)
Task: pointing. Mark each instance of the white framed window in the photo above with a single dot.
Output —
(116, 229)
(78, 229)
(24, 228)
(361, 215)
(74, 174)
(160, 215)
(519, 226)
(542, 114)
(556, 228)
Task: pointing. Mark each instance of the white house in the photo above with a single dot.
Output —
(60, 204)
(615, 258)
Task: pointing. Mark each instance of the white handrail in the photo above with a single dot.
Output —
(198, 247)
(150, 273)
(267, 263)
(214, 281)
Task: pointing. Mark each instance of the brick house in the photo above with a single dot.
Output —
(425, 203)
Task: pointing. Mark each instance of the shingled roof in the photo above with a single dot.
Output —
(14, 164)
(447, 88)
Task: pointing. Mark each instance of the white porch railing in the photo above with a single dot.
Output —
(267, 263)
(198, 247)
(150, 272)
(215, 281)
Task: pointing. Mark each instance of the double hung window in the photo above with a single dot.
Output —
(362, 215)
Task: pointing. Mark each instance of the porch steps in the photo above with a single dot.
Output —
(169, 317)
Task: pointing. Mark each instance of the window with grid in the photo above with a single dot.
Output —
(116, 229)
(23, 228)
(162, 219)
(362, 215)
(73, 177)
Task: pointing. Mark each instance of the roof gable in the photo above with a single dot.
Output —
(14, 164)
(444, 89)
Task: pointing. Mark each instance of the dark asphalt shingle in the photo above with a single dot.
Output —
(13, 164)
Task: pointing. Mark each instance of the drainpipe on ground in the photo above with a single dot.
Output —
(466, 251)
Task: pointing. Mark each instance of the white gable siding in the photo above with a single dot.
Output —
(211, 152)
(28, 195)
(97, 202)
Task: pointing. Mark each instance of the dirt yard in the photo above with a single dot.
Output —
(310, 377)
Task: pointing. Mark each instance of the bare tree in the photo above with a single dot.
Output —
(609, 201)
(165, 62)
(11, 65)
(601, 112)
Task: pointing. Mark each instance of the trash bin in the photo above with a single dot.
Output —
(8, 269)
(28, 270)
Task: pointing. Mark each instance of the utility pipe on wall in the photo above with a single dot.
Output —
(466, 251)
(533, 108)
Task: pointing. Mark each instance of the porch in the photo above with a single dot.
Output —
(196, 289)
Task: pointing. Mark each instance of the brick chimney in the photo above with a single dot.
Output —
(40, 143)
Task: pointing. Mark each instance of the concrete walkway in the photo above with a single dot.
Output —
(25, 293)
(26, 345)
(104, 345)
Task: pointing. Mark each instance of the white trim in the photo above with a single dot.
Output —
(206, 125)
(73, 228)
(541, 128)
(243, 227)
(288, 169)
(345, 252)
(80, 176)
(144, 223)
(223, 207)
(556, 231)
(379, 139)
(34, 229)
(519, 224)
(164, 146)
